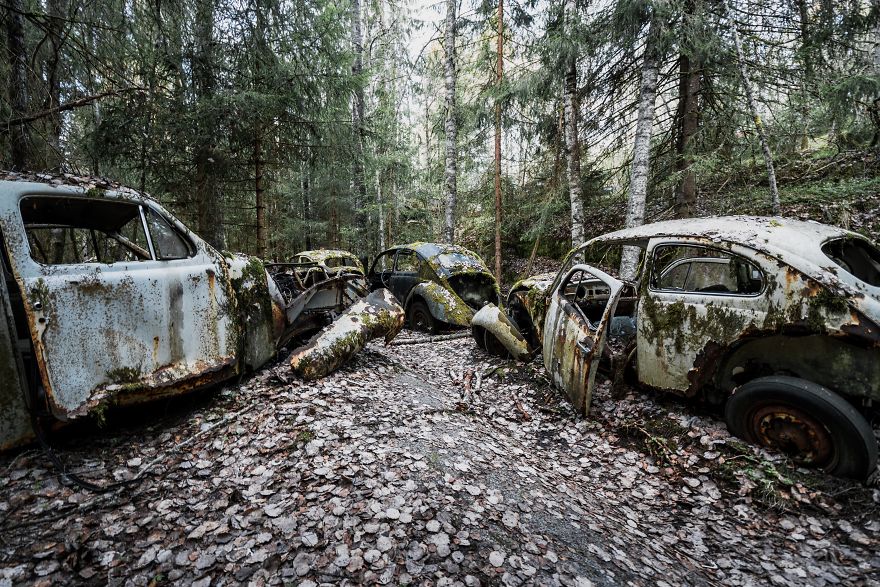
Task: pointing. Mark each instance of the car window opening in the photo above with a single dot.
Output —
(73, 230)
(857, 257)
(692, 269)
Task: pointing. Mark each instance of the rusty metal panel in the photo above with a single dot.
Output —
(15, 425)
(496, 322)
(443, 303)
(572, 346)
(377, 315)
(106, 331)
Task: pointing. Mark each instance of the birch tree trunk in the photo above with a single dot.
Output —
(18, 90)
(500, 57)
(381, 206)
(641, 163)
(572, 143)
(450, 176)
(357, 121)
(753, 110)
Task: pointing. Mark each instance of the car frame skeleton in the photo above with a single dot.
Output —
(109, 299)
(776, 319)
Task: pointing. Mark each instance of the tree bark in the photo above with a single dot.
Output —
(572, 141)
(307, 203)
(874, 109)
(753, 110)
(260, 199)
(260, 54)
(20, 142)
(451, 125)
(381, 206)
(806, 60)
(690, 82)
(498, 143)
(57, 13)
(359, 187)
(210, 213)
(641, 164)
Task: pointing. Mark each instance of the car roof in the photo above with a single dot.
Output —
(321, 254)
(429, 250)
(797, 242)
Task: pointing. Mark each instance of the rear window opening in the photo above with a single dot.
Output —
(475, 289)
(857, 257)
(334, 262)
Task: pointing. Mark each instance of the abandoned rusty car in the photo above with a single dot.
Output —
(109, 299)
(439, 285)
(774, 319)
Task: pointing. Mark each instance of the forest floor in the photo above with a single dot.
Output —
(430, 464)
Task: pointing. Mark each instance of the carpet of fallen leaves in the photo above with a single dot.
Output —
(428, 464)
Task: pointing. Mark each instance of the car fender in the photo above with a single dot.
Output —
(492, 319)
(443, 304)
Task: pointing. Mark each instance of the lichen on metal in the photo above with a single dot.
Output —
(378, 315)
(135, 326)
(490, 318)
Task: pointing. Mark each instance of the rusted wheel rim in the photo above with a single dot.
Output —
(420, 321)
(794, 432)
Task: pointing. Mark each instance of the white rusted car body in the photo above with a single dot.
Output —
(109, 299)
(718, 302)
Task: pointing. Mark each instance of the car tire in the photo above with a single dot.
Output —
(477, 333)
(813, 425)
(420, 318)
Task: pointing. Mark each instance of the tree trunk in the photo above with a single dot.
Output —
(20, 142)
(260, 199)
(806, 60)
(641, 164)
(381, 206)
(57, 13)
(690, 81)
(210, 213)
(874, 109)
(451, 126)
(307, 204)
(359, 187)
(753, 110)
(498, 143)
(572, 142)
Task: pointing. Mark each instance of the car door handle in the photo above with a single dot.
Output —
(585, 345)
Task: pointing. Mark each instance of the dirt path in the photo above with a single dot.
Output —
(418, 464)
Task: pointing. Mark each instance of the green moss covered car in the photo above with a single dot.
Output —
(439, 285)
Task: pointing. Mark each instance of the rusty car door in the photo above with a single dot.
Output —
(575, 330)
(700, 297)
(122, 301)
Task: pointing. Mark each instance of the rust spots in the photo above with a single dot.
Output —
(705, 367)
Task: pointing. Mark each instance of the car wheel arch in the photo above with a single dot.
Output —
(794, 356)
